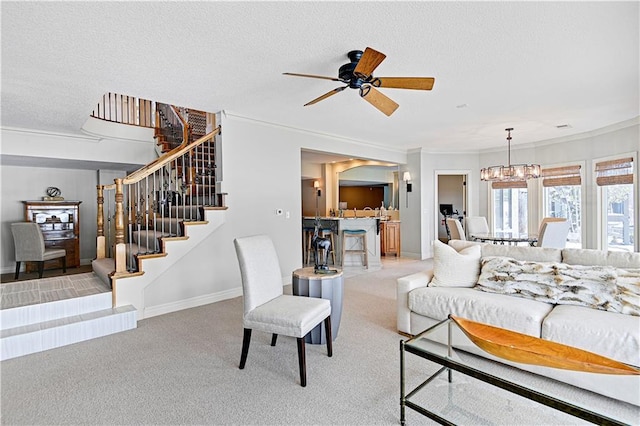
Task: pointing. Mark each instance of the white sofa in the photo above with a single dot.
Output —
(425, 298)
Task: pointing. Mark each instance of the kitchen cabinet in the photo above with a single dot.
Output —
(390, 238)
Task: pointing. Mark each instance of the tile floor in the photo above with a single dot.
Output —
(31, 292)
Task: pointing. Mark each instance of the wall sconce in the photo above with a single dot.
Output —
(406, 177)
(316, 186)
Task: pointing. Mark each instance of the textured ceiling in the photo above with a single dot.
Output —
(528, 65)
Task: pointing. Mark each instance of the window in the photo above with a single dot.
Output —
(615, 181)
(510, 207)
(563, 198)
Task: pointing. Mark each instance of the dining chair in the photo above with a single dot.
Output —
(475, 225)
(268, 309)
(549, 219)
(29, 247)
(455, 229)
(554, 234)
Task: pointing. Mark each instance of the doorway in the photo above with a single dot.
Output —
(451, 199)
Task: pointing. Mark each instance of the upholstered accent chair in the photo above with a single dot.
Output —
(554, 234)
(475, 225)
(29, 247)
(455, 229)
(268, 309)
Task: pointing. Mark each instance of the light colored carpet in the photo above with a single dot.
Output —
(182, 368)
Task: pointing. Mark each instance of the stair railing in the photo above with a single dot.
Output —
(151, 203)
(126, 110)
(172, 129)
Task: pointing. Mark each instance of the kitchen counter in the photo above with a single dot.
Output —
(339, 224)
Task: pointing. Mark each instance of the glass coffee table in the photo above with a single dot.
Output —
(478, 378)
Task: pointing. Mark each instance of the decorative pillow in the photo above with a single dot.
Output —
(629, 290)
(455, 269)
(551, 282)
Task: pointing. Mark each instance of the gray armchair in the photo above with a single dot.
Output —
(29, 244)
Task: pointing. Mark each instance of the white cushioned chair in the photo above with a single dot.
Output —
(455, 229)
(553, 234)
(475, 225)
(29, 247)
(267, 309)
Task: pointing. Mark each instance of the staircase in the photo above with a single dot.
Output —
(173, 201)
(146, 223)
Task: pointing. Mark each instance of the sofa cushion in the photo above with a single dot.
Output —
(610, 334)
(619, 259)
(455, 269)
(551, 282)
(463, 244)
(537, 254)
(512, 313)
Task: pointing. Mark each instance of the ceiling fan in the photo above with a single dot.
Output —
(357, 74)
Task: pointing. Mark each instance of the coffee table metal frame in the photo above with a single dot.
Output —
(448, 364)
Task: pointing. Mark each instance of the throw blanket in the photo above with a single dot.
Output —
(597, 287)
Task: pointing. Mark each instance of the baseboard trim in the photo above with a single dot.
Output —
(194, 302)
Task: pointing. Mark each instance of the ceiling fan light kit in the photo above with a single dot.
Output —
(358, 74)
(510, 172)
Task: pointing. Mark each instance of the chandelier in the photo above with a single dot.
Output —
(510, 172)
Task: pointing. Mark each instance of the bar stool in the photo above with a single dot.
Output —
(360, 234)
(307, 233)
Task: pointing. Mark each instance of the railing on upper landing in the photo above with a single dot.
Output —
(136, 214)
(126, 110)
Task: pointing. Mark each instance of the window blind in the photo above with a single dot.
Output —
(561, 176)
(614, 172)
(509, 184)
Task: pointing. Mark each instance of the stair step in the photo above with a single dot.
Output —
(103, 269)
(36, 328)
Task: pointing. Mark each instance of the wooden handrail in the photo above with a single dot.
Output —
(185, 126)
(160, 162)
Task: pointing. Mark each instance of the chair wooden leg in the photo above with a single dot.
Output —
(245, 347)
(17, 270)
(327, 328)
(40, 268)
(273, 339)
(302, 362)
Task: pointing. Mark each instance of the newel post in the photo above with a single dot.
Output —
(100, 243)
(121, 253)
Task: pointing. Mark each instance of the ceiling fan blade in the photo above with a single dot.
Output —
(326, 95)
(311, 76)
(378, 100)
(368, 62)
(416, 83)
